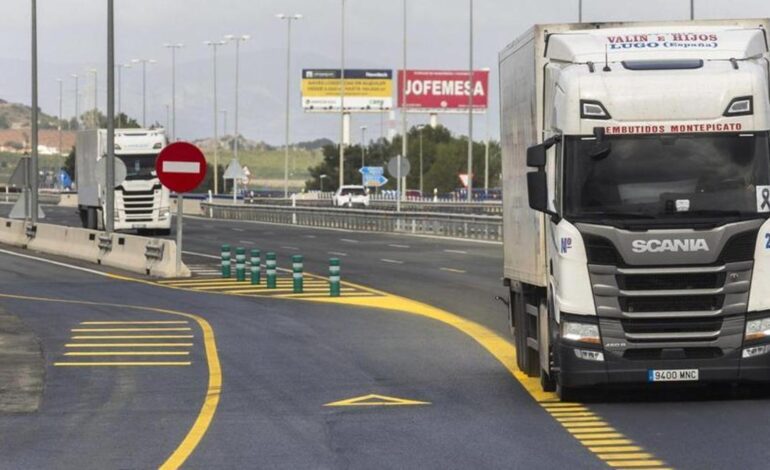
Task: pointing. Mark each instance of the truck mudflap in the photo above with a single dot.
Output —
(577, 371)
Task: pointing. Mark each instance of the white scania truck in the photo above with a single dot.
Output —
(141, 202)
(636, 175)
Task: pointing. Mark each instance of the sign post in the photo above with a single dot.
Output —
(181, 167)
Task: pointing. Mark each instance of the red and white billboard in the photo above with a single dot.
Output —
(443, 91)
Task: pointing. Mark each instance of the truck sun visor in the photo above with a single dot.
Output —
(674, 64)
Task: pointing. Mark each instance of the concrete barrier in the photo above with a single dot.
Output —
(190, 206)
(68, 200)
(122, 251)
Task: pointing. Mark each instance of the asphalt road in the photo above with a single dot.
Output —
(685, 428)
(281, 362)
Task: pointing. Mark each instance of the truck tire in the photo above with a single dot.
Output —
(526, 358)
(83, 214)
(566, 394)
(163, 232)
(92, 218)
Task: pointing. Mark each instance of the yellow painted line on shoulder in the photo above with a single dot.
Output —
(606, 442)
(134, 337)
(576, 431)
(573, 414)
(625, 456)
(134, 322)
(126, 345)
(578, 420)
(609, 449)
(129, 353)
(605, 435)
(634, 463)
(573, 408)
(125, 330)
(315, 296)
(213, 388)
(588, 425)
(120, 364)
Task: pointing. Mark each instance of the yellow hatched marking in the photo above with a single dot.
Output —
(567, 410)
(125, 330)
(548, 405)
(134, 323)
(136, 337)
(606, 442)
(126, 345)
(268, 291)
(578, 420)
(314, 296)
(615, 449)
(130, 353)
(119, 364)
(625, 456)
(584, 425)
(634, 463)
(573, 414)
(605, 435)
(591, 430)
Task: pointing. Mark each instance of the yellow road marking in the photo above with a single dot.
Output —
(625, 456)
(134, 322)
(135, 337)
(578, 420)
(214, 386)
(589, 425)
(312, 296)
(634, 463)
(119, 364)
(572, 408)
(602, 450)
(124, 330)
(576, 431)
(126, 345)
(606, 435)
(377, 400)
(129, 353)
(573, 414)
(606, 442)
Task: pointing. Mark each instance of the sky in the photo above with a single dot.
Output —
(72, 39)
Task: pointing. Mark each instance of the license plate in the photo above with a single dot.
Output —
(139, 226)
(673, 375)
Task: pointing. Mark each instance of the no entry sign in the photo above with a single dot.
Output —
(181, 167)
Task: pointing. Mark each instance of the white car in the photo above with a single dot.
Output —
(350, 196)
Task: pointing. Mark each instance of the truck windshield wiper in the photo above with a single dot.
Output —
(715, 213)
(618, 215)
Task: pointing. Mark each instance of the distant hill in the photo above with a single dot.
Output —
(316, 144)
(17, 116)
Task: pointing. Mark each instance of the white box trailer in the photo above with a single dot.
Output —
(578, 101)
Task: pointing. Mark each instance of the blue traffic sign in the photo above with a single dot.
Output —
(373, 176)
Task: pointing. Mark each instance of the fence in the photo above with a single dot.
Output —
(476, 227)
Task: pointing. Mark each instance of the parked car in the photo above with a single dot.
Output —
(351, 196)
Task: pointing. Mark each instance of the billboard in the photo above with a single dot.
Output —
(443, 91)
(365, 90)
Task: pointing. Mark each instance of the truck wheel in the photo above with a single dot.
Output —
(526, 358)
(566, 394)
(92, 218)
(547, 383)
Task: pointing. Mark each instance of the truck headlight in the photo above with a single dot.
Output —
(757, 329)
(580, 332)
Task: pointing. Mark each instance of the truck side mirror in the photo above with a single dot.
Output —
(536, 156)
(537, 188)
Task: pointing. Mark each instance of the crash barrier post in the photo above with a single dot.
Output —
(297, 266)
(256, 270)
(270, 268)
(240, 264)
(334, 277)
(226, 255)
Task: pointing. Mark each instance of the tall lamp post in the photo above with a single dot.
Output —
(692, 10)
(470, 107)
(214, 45)
(404, 131)
(237, 40)
(173, 48)
(119, 68)
(32, 186)
(61, 83)
(420, 128)
(95, 118)
(363, 146)
(322, 178)
(342, 96)
(77, 100)
(289, 20)
(144, 63)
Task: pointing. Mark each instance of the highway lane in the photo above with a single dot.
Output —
(281, 361)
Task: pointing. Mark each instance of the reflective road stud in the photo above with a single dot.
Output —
(226, 260)
(255, 268)
(240, 264)
(296, 267)
(270, 264)
(334, 277)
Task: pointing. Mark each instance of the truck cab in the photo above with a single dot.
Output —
(642, 186)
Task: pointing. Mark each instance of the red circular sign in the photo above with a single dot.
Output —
(181, 167)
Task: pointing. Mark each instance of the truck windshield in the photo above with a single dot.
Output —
(667, 176)
(139, 167)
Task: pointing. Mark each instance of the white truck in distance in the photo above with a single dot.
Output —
(636, 174)
(141, 202)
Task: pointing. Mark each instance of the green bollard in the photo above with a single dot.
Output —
(226, 254)
(240, 264)
(256, 270)
(270, 264)
(334, 277)
(296, 267)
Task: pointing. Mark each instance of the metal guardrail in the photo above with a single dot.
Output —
(441, 206)
(476, 227)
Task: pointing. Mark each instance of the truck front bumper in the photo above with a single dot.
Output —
(614, 369)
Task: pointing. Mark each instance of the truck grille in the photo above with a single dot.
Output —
(671, 281)
(689, 303)
(657, 354)
(138, 205)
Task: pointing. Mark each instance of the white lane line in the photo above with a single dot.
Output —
(459, 252)
(310, 236)
(238, 230)
(348, 240)
(337, 253)
(392, 261)
(244, 242)
(452, 270)
(292, 248)
(393, 245)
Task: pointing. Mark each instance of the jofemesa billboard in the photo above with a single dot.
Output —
(365, 90)
(443, 91)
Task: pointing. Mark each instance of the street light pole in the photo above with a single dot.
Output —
(77, 99)
(420, 128)
(95, 119)
(61, 82)
(173, 48)
(109, 213)
(237, 40)
(34, 118)
(363, 146)
(214, 45)
(144, 63)
(342, 98)
(119, 68)
(470, 108)
(404, 130)
(289, 20)
(580, 11)
(224, 124)
(692, 10)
